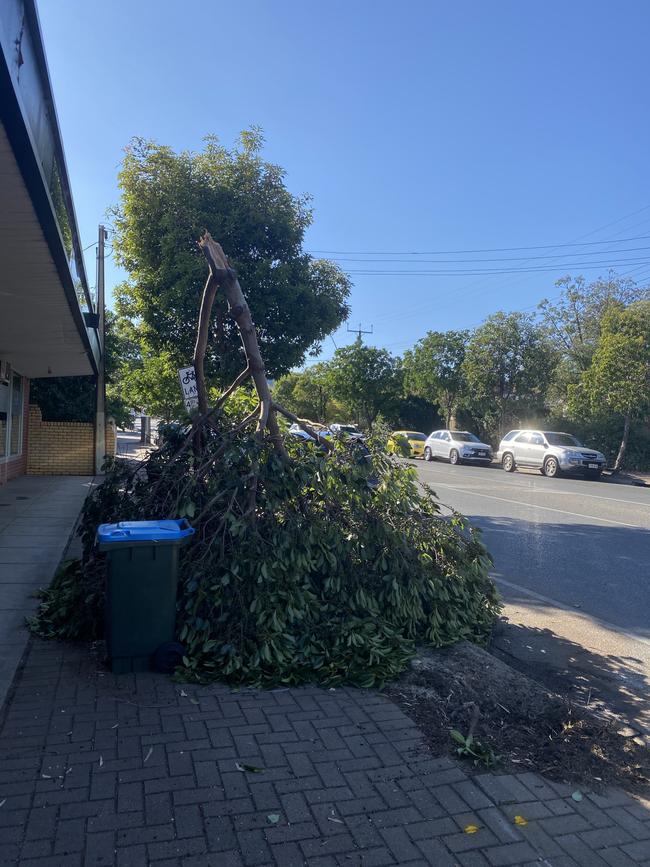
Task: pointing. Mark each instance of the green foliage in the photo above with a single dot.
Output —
(328, 568)
(618, 378)
(151, 385)
(475, 751)
(366, 379)
(167, 201)
(64, 398)
(572, 323)
(433, 369)
(72, 398)
(411, 412)
(308, 395)
(507, 368)
(617, 381)
(72, 606)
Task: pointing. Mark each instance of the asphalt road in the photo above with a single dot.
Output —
(572, 562)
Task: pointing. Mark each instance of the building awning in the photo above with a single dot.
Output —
(43, 287)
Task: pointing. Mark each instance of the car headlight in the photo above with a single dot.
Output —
(573, 454)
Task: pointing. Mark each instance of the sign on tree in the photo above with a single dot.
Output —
(187, 378)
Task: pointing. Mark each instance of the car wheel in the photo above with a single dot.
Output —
(508, 463)
(551, 468)
(454, 457)
(427, 454)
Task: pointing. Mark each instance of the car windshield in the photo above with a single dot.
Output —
(413, 435)
(348, 428)
(562, 439)
(462, 436)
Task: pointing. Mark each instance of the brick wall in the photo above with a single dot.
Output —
(63, 448)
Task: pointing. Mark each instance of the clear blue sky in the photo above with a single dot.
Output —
(421, 126)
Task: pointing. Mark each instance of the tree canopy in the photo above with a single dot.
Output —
(367, 379)
(618, 378)
(167, 200)
(572, 321)
(433, 369)
(507, 366)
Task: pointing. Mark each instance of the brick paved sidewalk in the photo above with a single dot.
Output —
(137, 770)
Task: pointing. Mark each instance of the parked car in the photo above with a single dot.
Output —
(347, 430)
(457, 447)
(552, 452)
(412, 440)
(296, 431)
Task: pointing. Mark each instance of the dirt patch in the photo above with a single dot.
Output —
(526, 726)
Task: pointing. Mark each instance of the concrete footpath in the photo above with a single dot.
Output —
(37, 517)
(97, 769)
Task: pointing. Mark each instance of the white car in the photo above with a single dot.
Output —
(457, 447)
(552, 452)
(296, 431)
(347, 430)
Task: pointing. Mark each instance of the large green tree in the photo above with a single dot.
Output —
(433, 370)
(309, 394)
(617, 380)
(167, 200)
(572, 321)
(368, 380)
(507, 368)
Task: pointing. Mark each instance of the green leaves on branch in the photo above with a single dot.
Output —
(328, 569)
(167, 201)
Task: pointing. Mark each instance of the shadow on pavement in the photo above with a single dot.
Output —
(603, 571)
(605, 683)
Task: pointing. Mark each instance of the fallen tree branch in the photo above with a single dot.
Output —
(239, 380)
(239, 310)
(207, 301)
(306, 425)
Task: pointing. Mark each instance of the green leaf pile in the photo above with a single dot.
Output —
(326, 568)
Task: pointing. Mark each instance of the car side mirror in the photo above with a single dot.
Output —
(545, 445)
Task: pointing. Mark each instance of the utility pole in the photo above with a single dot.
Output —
(100, 414)
(359, 331)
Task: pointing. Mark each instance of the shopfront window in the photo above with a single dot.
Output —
(4, 417)
(16, 422)
(11, 416)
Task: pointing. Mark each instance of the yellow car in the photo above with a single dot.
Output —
(407, 443)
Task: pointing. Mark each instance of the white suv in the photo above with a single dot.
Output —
(457, 447)
(552, 452)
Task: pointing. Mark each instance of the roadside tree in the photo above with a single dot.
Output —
(572, 322)
(507, 368)
(433, 370)
(167, 200)
(618, 379)
(365, 379)
(309, 394)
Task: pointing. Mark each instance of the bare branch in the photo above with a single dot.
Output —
(239, 310)
(306, 425)
(239, 380)
(207, 301)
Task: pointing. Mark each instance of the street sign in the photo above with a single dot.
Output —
(187, 378)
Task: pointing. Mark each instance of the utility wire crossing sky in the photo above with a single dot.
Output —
(508, 138)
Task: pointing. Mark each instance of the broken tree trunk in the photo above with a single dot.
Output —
(202, 342)
(620, 457)
(225, 277)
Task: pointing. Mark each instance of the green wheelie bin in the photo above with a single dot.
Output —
(141, 592)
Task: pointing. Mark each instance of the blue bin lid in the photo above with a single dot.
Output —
(144, 531)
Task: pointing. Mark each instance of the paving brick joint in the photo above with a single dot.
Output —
(97, 769)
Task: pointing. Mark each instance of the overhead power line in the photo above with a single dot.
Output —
(500, 258)
(466, 272)
(478, 250)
